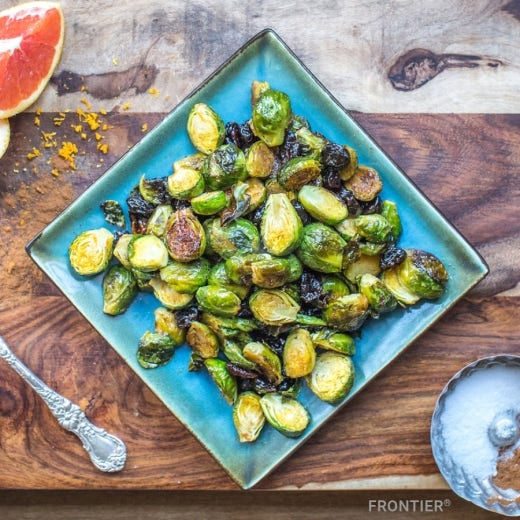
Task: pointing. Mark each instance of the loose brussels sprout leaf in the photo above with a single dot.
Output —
(265, 360)
(185, 183)
(218, 276)
(120, 250)
(257, 193)
(206, 129)
(248, 416)
(224, 167)
(202, 340)
(147, 253)
(310, 321)
(155, 349)
(233, 351)
(374, 228)
(299, 171)
(159, 219)
(257, 89)
(119, 290)
(154, 190)
(143, 279)
(321, 248)
(285, 414)
(322, 204)
(218, 300)
(186, 277)
(166, 323)
(273, 307)
(228, 327)
(225, 382)
(363, 264)
(347, 312)
(90, 251)
(380, 298)
(332, 377)
(299, 355)
(271, 116)
(365, 184)
(390, 212)
(281, 227)
(113, 213)
(168, 296)
(238, 237)
(185, 236)
(259, 160)
(329, 339)
(210, 203)
(240, 204)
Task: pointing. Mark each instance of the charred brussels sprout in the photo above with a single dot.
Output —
(379, 297)
(298, 171)
(186, 277)
(374, 228)
(332, 377)
(226, 383)
(329, 339)
(321, 248)
(218, 300)
(248, 416)
(322, 204)
(265, 360)
(271, 116)
(299, 355)
(153, 190)
(119, 290)
(259, 160)
(168, 296)
(90, 251)
(273, 307)
(210, 203)
(285, 414)
(159, 219)
(147, 253)
(185, 236)
(166, 323)
(155, 349)
(206, 129)
(238, 237)
(185, 183)
(347, 312)
(202, 340)
(224, 167)
(281, 226)
(365, 184)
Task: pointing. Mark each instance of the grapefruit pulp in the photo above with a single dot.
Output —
(31, 40)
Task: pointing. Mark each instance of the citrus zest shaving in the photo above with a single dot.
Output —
(68, 152)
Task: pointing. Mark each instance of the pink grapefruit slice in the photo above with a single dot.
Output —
(31, 40)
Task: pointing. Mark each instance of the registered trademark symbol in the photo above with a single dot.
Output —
(447, 502)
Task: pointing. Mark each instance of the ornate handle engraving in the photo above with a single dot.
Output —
(107, 452)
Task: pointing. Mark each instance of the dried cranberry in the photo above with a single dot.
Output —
(391, 257)
(335, 156)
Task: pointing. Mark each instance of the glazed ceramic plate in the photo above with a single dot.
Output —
(192, 397)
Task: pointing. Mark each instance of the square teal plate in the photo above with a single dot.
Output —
(192, 396)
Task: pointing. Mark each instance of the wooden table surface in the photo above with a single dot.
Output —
(454, 128)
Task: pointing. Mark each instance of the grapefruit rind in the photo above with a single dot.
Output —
(5, 134)
(37, 7)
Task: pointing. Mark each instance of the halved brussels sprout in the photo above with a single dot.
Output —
(347, 312)
(275, 272)
(195, 161)
(332, 377)
(363, 264)
(119, 290)
(298, 171)
(271, 116)
(218, 300)
(186, 277)
(329, 339)
(226, 383)
(265, 360)
(285, 414)
(348, 171)
(185, 183)
(166, 323)
(347, 229)
(218, 276)
(248, 416)
(224, 167)
(121, 249)
(365, 184)
(239, 267)
(202, 340)
(374, 228)
(206, 129)
(312, 141)
(401, 293)
(259, 160)
(321, 248)
(233, 351)
(155, 349)
(322, 204)
(257, 193)
(389, 211)
(158, 221)
(185, 236)
(299, 355)
(147, 253)
(333, 287)
(210, 203)
(153, 190)
(90, 251)
(237, 237)
(281, 226)
(168, 296)
(380, 298)
(273, 307)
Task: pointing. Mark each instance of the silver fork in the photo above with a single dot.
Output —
(107, 452)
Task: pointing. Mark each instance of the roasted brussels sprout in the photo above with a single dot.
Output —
(147, 253)
(265, 360)
(275, 272)
(281, 227)
(322, 204)
(379, 297)
(185, 183)
(298, 171)
(311, 141)
(232, 349)
(273, 307)
(226, 383)
(90, 251)
(285, 414)
(390, 212)
(218, 276)
(299, 355)
(155, 349)
(206, 129)
(259, 160)
(361, 265)
(210, 203)
(248, 416)
(186, 277)
(224, 167)
(332, 377)
(185, 236)
(321, 248)
(374, 228)
(333, 287)
(239, 267)
(365, 184)
(218, 300)
(202, 340)
(119, 290)
(347, 312)
(347, 229)
(238, 237)
(329, 339)
(271, 116)
(159, 219)
(168, 296)
(120, 249)
(255, 190)
(166, 323)
(346, 172)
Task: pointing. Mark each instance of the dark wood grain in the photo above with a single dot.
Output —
(465, 164)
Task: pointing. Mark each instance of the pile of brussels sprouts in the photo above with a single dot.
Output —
(267, 249)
